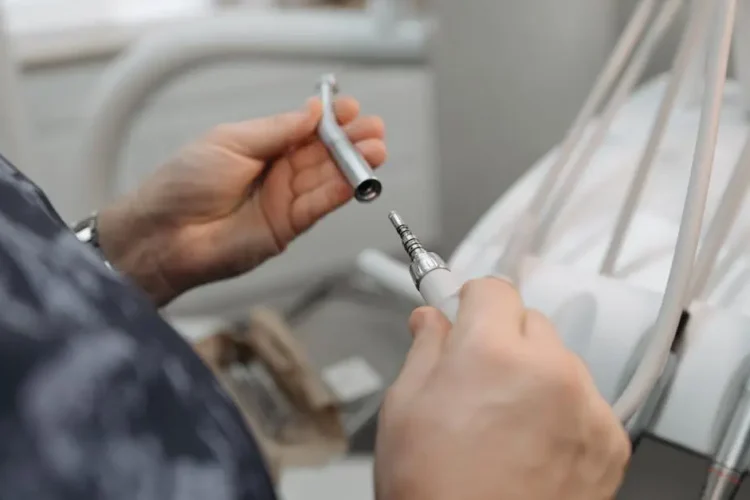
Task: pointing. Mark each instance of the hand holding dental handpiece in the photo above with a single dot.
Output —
(492, 405)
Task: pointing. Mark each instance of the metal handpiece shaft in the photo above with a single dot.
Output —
(349, 161)
(410, 242)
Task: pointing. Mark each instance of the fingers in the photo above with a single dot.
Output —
(430, 329)
(315, 153)
(372, 150)
(428, 319)
(320, 191)
(490, 306)
(265, 138)
(364, 127)
(311, 206)
(538, 328)
(271, 136)
(346, 108)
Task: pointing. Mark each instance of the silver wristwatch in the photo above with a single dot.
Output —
(86, 231)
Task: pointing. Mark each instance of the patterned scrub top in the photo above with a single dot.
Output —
(99, 397)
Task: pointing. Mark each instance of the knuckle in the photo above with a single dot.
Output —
(486, 349)
(468, 289)
(615, 446)
(508, 357)
(537, 320)
(543, 332)
(565, 376)
(570, 383)
(499, 288)
(622, 448)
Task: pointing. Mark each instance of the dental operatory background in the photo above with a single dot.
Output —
(591, 150)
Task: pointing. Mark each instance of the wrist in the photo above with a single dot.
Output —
(129, 243)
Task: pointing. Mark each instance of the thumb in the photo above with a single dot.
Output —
(430, 329)
(269, 137)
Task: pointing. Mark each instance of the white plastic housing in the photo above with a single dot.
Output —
(606, 322)
(602, 319)
(606, 319)
(440, 289)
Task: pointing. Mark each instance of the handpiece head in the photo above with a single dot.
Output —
(329, 80)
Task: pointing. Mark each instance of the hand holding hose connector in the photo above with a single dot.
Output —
(493, 350)
(349, 161)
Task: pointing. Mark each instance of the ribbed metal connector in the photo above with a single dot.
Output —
(422, 261)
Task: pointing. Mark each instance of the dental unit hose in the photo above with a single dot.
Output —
(677, 291)
(348, 160)
(435, 282)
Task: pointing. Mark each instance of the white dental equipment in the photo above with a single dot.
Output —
(623, 321)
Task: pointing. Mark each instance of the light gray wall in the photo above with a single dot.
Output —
(510, 75)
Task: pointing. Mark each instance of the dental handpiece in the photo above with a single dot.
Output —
(435, 282)
(348, 160)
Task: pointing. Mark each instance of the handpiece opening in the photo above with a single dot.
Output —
(368, 190)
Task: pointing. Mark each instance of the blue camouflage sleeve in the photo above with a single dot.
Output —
(99, 397)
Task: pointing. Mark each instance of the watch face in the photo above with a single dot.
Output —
(85, 234)
(85, 230)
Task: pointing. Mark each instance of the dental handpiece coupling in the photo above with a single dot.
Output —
(430, 274)
(422, 261)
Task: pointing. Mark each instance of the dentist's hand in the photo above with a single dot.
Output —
(232, 200)
(494, 408)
